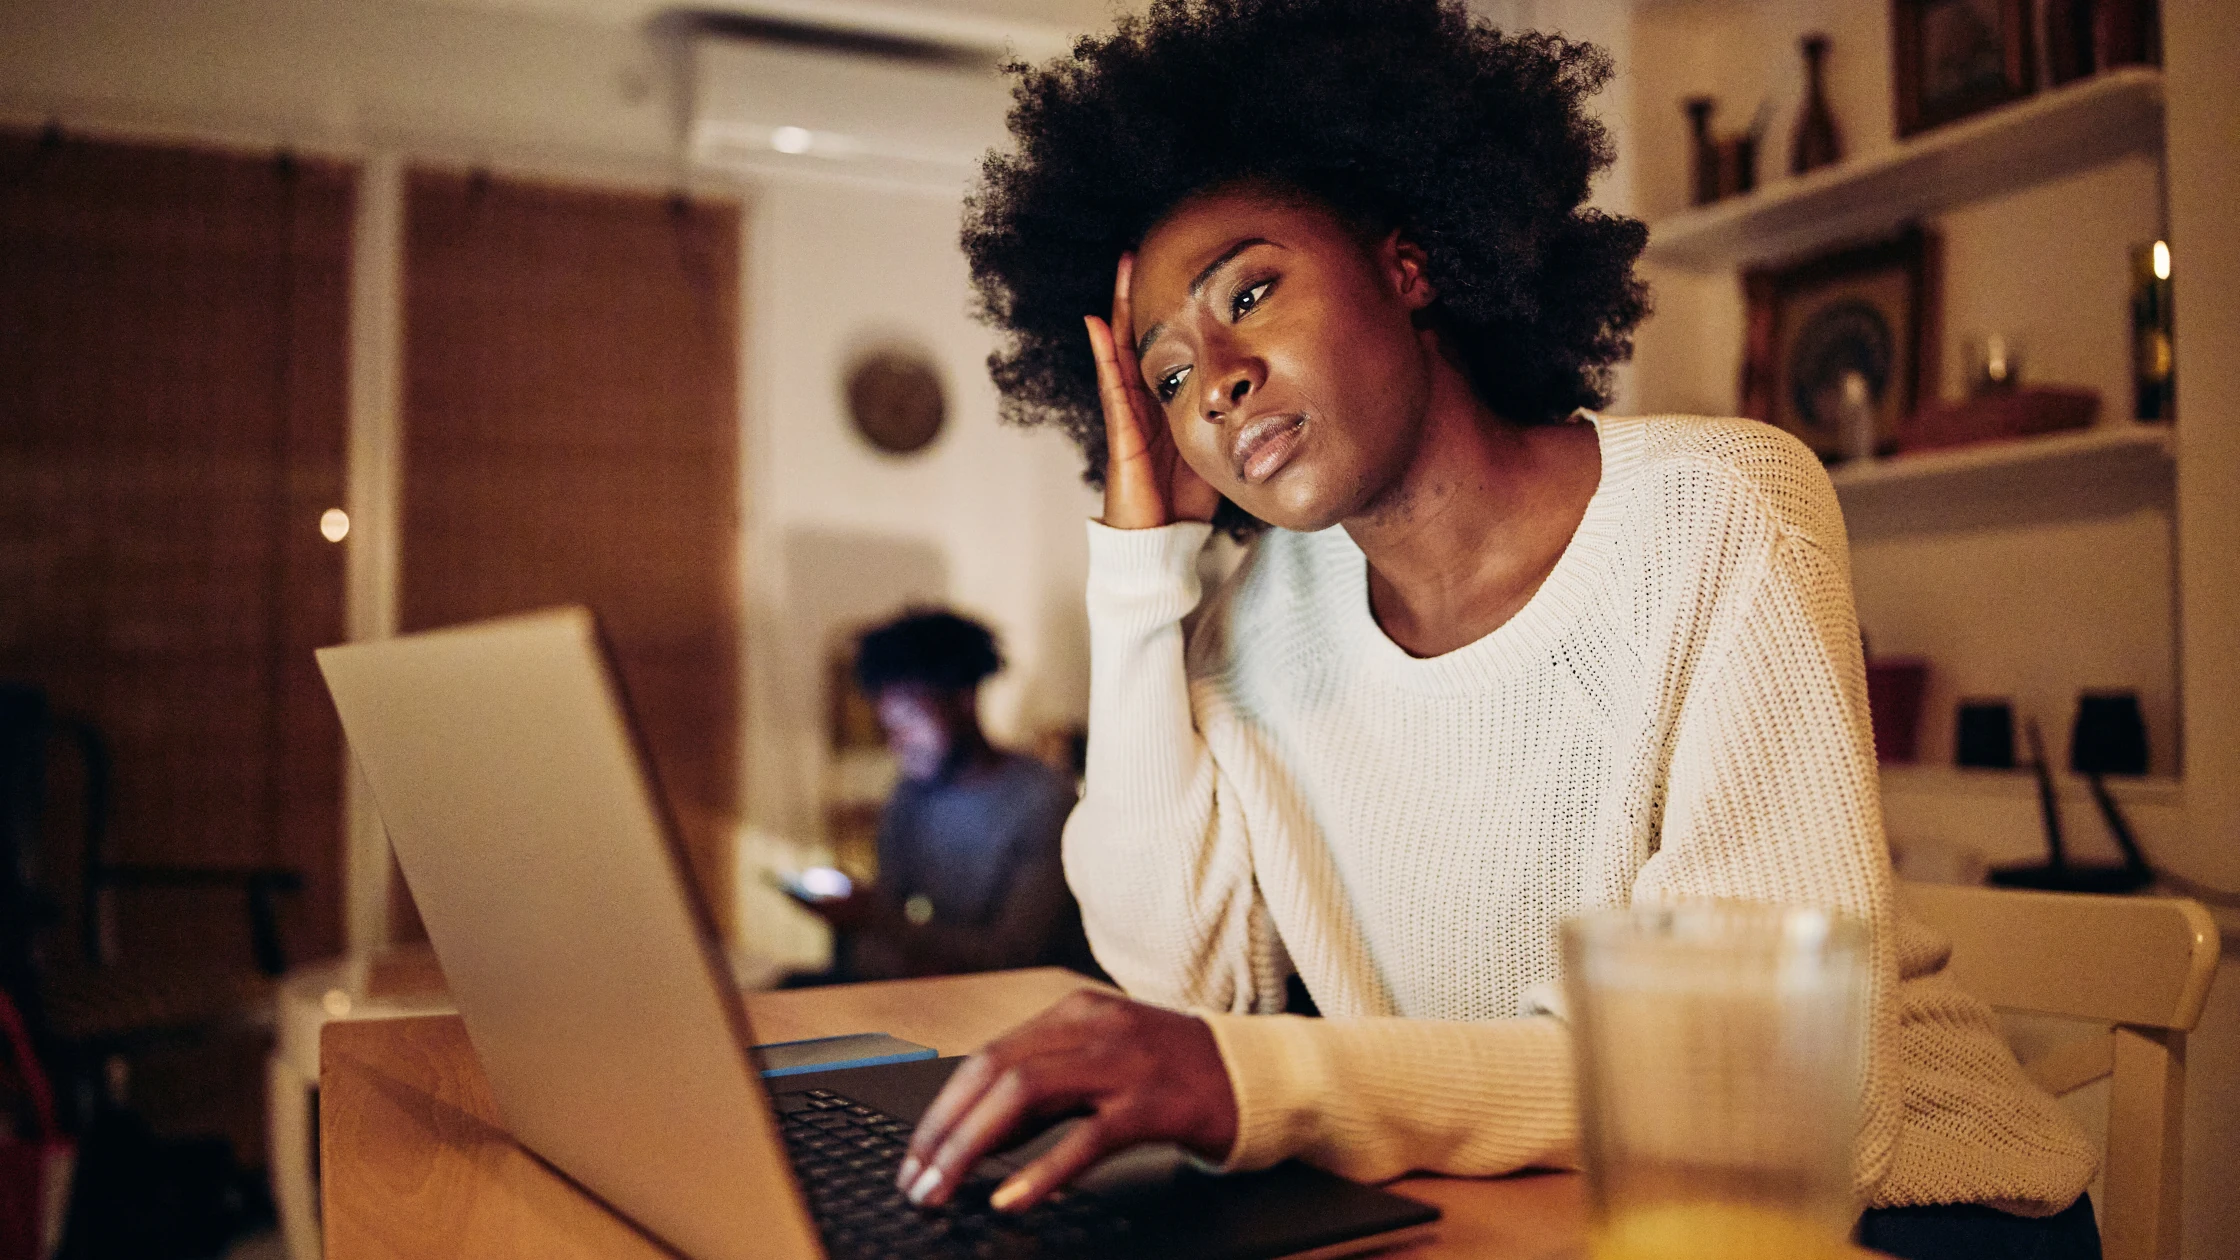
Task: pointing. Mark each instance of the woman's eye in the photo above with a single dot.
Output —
(1171, 384)
(1246, 299)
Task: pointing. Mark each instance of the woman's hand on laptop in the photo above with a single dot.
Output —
(1134, 1073)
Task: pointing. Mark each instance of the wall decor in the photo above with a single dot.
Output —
(1953, 58)
(895, 399)
(1843, 342)
(1815, 142)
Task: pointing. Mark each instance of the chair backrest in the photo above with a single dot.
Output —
(2139, 964)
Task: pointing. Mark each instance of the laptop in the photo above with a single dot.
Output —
(524, 813)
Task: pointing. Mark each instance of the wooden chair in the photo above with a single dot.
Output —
(2141, 964)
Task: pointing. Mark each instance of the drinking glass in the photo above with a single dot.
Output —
(1720, 1049)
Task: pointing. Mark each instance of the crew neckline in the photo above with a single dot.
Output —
(1527, 636)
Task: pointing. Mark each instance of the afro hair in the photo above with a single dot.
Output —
(929, 647)
(1401, 115)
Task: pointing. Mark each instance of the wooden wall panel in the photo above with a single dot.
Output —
(173, 341)
(571, 436)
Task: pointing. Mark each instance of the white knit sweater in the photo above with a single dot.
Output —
(1678, 712)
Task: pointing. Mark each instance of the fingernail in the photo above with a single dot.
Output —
(909, 1171)
(1008, 1194)
(927, 1182)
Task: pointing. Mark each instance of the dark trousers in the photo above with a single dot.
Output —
(1970, 1231)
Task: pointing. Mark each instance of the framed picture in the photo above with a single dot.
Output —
(1830, 334)
(1954, 58)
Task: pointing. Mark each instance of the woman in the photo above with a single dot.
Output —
(1492, 659)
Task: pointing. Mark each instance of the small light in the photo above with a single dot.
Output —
(334, 524)
(2162, 260)
(337, 1003)
(918, 909)
(791, 139)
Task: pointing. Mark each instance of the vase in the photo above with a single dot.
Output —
(1815, 143)
(1703, 152)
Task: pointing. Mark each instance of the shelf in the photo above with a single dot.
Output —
(2100, 471)
(2100, 447)
(2146, 790)
(2055, 133)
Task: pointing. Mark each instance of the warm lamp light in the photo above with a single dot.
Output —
(334, 525)
(2162, 260)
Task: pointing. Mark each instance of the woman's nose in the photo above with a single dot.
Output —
(1227, 388)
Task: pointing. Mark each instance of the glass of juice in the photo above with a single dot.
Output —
(1720, 1048)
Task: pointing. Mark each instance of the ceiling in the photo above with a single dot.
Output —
(1026, 22)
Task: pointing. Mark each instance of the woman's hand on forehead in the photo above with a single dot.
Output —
(1147, 484)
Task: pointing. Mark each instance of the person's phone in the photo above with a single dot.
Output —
(817, 883)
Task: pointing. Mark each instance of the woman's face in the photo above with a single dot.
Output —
(1282, 348)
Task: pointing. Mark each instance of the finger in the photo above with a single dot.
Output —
(992, 1115)
(1046, 1086)
(1123, 330)
(1124, 319)
(1090, 1141)
(1123, 429)
(1061, 1027)
(958, 1096)
(971, 1082)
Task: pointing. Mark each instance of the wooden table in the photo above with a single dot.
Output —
(414, 1163)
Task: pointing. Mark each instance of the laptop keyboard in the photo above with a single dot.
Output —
(846, 1155)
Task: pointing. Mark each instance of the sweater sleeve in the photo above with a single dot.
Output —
(1163, 872)
(1771, 794)
(1373, 1098)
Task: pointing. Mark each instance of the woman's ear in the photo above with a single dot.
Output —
(1408, 269)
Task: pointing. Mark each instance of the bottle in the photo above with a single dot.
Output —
(1815, 143)
(2153, 373)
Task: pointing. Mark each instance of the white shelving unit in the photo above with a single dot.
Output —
(2151, 791)
(2055, 133)
(2101, 446)
(2116, 463)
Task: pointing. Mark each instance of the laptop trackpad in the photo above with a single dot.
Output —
(1150, 1168)
(1147, 1169)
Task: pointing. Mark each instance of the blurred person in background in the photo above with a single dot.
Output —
(969, 873)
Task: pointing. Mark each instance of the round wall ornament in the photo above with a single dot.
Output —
(895, 399)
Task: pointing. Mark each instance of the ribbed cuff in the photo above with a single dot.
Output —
(1374, 1098)
(1140, 561)
(1277, 1073)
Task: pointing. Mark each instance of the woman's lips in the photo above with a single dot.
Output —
(1264, 446)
